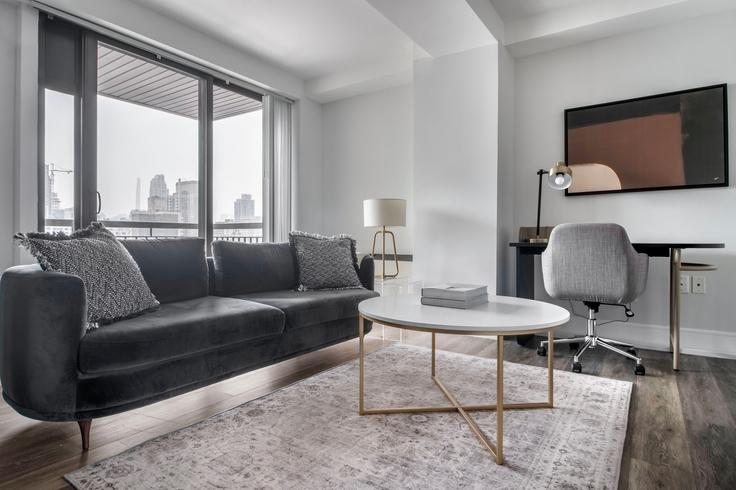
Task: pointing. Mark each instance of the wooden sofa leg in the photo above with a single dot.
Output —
(84, 426)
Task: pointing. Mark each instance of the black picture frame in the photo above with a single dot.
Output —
(724, 183)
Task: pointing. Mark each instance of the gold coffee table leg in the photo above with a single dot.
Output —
(361, 334)
(495, 449)
(433, 362)
(499, 399)
(550, 368)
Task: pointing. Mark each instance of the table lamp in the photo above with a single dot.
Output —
(383, 213)
(559, 177)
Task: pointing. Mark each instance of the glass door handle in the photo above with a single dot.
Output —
(99, 202)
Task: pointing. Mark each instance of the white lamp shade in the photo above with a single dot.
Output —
(384, 212)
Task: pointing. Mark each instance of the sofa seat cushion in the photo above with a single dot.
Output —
(177, 330)
(305, 308)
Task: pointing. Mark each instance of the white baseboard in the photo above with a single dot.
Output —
(710, 343)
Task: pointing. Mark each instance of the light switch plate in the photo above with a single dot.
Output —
(684, 284)
(698, 284)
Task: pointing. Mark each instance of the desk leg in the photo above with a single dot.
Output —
(675, 259)
(524, 284)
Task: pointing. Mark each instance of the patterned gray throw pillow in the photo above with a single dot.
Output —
(325, 262)
(112, 280)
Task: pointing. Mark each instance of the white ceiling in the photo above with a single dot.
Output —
(511, 10)
(310, 38)
(341, 48)
(534, 26)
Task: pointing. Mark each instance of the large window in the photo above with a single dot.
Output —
(58, 164)
(150, 147)
(237, 180)
(147, 146)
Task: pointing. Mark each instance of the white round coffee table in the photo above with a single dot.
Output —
(501, 316)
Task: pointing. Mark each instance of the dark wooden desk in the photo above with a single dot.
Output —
(526, 251)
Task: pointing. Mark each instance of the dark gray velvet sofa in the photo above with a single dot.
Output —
(219, 317)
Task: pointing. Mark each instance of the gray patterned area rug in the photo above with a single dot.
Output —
(309, 434)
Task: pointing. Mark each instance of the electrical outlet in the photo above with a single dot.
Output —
(684, 284)
(699, 285)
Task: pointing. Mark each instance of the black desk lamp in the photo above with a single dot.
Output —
(559, 178)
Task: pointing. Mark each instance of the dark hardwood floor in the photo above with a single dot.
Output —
(681, 432)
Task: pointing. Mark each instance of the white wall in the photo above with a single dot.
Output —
(505, 280)
(368, 153)
(455, 167)
(26, 128)
(307, 172)
(678, 56)
(8, 60)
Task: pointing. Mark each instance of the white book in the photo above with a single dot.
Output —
(454, 291)
(451, 303)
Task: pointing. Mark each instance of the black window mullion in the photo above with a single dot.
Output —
(87, 179)
(206, 228)
(41, 156)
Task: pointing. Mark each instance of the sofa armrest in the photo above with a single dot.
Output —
(43, 316)
(367, 272)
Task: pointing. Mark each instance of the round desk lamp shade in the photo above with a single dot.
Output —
(560, 176)
(384, 212)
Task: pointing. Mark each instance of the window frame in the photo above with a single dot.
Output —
(86, 196)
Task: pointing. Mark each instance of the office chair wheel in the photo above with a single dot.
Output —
(541, 351)
(632, 352)
(577, 367)
(639, 370)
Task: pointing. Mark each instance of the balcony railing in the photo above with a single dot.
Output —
(152, 230)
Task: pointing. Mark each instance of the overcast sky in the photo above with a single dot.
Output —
(138, 142)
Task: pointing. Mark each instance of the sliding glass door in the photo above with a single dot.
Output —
(237, 165)
(147, 146)
(150, 147)
(58, 161)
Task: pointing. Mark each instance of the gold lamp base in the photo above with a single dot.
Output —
(383, 232)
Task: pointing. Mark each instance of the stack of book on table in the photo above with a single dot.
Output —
(455, 295)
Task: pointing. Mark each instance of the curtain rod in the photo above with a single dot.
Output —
(156, 48)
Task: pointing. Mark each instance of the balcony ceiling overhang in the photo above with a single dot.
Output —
(131, 79)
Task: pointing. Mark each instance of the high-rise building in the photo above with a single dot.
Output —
(158, 194)
(180, 206)
(185, 200)
(51, 198)
(138, 193)
(52, 201)
(245, 208)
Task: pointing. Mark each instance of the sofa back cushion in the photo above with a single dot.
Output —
(174, 268)
(242, 268)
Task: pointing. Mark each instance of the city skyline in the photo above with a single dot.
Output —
(185, 199)
(164, 144)
(181, 206)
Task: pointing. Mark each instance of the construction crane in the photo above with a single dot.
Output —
(51, 169)
(52, 198)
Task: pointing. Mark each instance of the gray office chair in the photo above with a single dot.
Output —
(596, 264)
